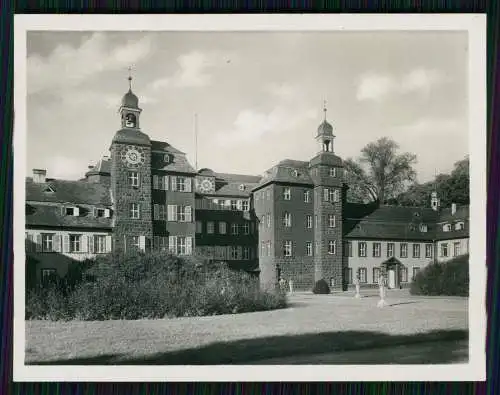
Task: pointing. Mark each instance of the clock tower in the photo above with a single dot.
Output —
(131, 179)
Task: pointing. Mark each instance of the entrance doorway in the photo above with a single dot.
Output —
(392, 279)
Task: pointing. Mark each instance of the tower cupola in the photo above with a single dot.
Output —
(129, 109)
(325, 135)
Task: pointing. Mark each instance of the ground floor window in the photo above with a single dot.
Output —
(428, 250)
(48, 275)
(444, 250)
(362, 275)
(456, 249)
(376, 274)
(348, 275)
(415, 272)
(403, 274)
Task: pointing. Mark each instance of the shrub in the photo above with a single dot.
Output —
(134, 286)
(449, 278)
(321, 287)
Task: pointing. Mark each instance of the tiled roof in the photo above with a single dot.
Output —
(78, 192)
(231, 184)
(287, 171)
(52, 215)
(131, 136)
(238, 178)
(102, 167)
(326, 158)
(461, 214)
(164, 146)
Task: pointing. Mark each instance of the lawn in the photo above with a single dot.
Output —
(314, 329)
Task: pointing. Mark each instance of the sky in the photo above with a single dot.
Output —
(258, 96)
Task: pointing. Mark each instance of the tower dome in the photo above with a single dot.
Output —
(130, 100)
(325, 129)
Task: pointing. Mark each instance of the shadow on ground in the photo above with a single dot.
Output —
(436, 347)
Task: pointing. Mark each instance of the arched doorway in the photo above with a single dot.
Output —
(392, 267)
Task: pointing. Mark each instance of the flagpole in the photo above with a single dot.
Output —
(196, 141)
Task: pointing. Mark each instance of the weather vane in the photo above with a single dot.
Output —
(130, 77)
(324, 108)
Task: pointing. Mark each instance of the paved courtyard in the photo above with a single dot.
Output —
(323, 329)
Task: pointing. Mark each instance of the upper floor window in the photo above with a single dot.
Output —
(160, 182)
(268, 194)
(446, 227)
(179, 213)
(287, 194)
(428, 250)
(332, 247)
(268, 220)
(333, 171)
(459, 226)
(287, 220)
(245, 205)
(423, 228)
(362, 249)
(287, 248)
(246, 228)
(222, 228)
(307, 196)
(246, 253)
(348, 249)
(159, 212)
(456, 248)
(331, 221)
(199, 227)
(133, 178)
(47, 242)
(390, 250)
(134, 210)
(181, 184)
(416, 250)
(234, 229)
(377, 249)
(444, 249)
(210, 227)
(100, 244)
(75, 243)
(234, 205)
(403, 250)
(309, 248)
(74, 211)
(331, 195)
(309, 222)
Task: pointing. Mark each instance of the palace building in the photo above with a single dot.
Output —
(293, 222)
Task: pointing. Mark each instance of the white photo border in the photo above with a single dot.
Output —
(474, 24)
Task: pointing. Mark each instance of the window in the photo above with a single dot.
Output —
(362, 249)
(428, 250)
(48, 275)
(333, 171)
(332, 247)
(316, 221)
(182, 213)
(72, 211)
(309, 248)
(181, 245)
(390, 250)
(99, 244)
(234, 252)
(263, 220)
(181, 184)
(416, 250)
(133, 178)
(199, 227)
(348, 275)
(377, 248)
(287, 194)
(234, 205)
(331, 195)
(234, 229)
(268, 220)
(309, 222)
(446, 227)
(444, 249)
(210, 227)
(134, 210)
(456, 249)
(423, 228)
(75, 243)
(306, 196)
(331, 220)
(268, 245)
(268, 194)
(159, 212)
(160, 182)
(47, 242)
(362, 275)
(459, 226)
(263, 249)
(135, 242)
(376, 274)
(287, 220)
(403, 274)
(326, 194)
(403, 250)
(287, 248)
(246, 228)
(245, 205)
(246, 253)
(415, 272)
(222, 228)
(99, 212)
(347, 248)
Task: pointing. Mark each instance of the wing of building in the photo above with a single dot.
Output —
(292, 222)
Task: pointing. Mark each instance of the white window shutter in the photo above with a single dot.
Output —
(156, 211)
(38, 242)
(63, 210)
(189, 245)
(155, 182)
(66, 243)
(91, 244)
(188, 213)
(142, 243)
(188, 184)
(170, 212)
(174, 183)
(239, 205)
(108, 244)
(240, 252)
(57, 243)
(76, 211)
(325, 194)
(172, 244)
(84, 244)
(165, 183)
(156, 243)
(94, 212)
(107, 213)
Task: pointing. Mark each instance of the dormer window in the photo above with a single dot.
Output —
(423, 228)
(459, 226)
(295, 172)
(166, 158)
(416, 215)
(49, 189)
(242, 187)
(446, 228)
(412, 227)
(73, 211)
(333, 171)
(102, 212)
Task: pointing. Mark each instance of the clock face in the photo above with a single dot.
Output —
(206, 186)
(133, 156)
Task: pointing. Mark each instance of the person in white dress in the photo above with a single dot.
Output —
(356, 284)
(382, 283)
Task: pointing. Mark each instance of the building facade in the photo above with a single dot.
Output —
(293, 222)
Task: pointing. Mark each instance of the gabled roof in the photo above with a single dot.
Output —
(52, 216)
(77, 192)
(287, 171)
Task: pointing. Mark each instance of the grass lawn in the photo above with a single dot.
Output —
(314, 329)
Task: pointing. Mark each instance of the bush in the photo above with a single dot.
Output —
(449, 278)
(321, 287)
(138, 286)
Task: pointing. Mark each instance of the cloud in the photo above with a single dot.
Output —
(251, 125)
(63, 167)
(432, 126)
(193, 69)
(68, 67)
(374, 86)
(283, 91)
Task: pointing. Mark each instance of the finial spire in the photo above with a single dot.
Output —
(129, 78)
(324, 109)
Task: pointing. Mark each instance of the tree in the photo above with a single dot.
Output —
(380, 173)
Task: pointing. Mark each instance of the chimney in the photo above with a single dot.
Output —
(453, 208)
(39, 175)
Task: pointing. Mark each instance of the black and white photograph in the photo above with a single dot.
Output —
(254, 197)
